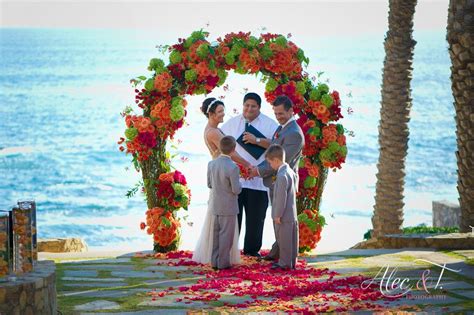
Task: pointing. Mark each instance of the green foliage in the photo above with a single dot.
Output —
(130, 193)
(165, 221)
(420, 229)
(150, 84)
(281, 41)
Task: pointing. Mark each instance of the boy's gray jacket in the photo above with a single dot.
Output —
(223, 179)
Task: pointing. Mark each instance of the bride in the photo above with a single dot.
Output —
(214, 109)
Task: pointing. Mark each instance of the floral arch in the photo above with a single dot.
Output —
(196, 67)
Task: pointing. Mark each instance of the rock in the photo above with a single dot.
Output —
(62, 245)
(137, 274)
(97, 305)
(446, 214)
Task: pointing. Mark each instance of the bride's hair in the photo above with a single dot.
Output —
(209, 105)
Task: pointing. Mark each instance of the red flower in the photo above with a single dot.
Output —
(179, 178)
(142, 225)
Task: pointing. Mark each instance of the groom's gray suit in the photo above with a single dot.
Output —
(223, 180)
(291, 138)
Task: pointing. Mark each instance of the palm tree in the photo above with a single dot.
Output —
(394, 118)
(461, 49)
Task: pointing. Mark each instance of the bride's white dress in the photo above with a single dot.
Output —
(203, 251)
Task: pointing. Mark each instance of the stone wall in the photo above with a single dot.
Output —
(446, 214)
(440, 241)
(33, 293)
(62, 245)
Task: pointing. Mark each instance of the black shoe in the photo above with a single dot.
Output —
(276, 266)
(257, 255)
(215, 268)
(268, 258)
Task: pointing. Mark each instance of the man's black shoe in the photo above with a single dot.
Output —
(268, 258)
(257, 255)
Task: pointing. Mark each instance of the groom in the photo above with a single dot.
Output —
(290, 136)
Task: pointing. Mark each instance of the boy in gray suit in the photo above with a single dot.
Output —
(285, 221)
(223, 180)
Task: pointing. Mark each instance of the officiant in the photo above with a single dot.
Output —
(253, 131)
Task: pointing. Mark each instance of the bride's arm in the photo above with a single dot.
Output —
(215, 137)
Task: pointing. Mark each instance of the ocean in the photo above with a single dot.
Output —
(62, 91)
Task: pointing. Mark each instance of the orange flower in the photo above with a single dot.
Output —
(163, 82)
(166, 177)
(313, 171)
(341, 140)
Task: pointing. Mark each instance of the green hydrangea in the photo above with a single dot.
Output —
(188, 42)
(271, 85)
(315, 131)
(325, 155)
(323, 88)
(301, 163)
(300, 87)
(203, 51)
(150, 84)
(236, 48)
(222, 74)
(177, 113)
(131, 133)
(230, 58)
(240, 69)
(156, 65)
(200, 90)
(343, 150)
(175, 57)
(327, 100)
(190, 75)
(315, 95)
(184, 202)
(310, 182)
(253, 42)
(266, 52)
(179, 190)
(177, 101)
(333, 147)
(197, 35)
(281, 41)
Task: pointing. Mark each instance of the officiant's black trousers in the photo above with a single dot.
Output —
(255, 204)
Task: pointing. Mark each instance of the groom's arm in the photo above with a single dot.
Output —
(292, 145)
(265, 170)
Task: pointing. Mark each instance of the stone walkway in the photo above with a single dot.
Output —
(120, 283)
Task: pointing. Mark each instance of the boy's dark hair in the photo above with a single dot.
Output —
(275, 151)
(227, 144)
(253, 96)
(283, 100)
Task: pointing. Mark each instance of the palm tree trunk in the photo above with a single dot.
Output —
(394, 118)
(461, 49)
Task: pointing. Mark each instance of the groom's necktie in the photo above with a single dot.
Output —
(276, 135)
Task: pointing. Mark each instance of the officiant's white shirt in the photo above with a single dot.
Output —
(235, 127)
